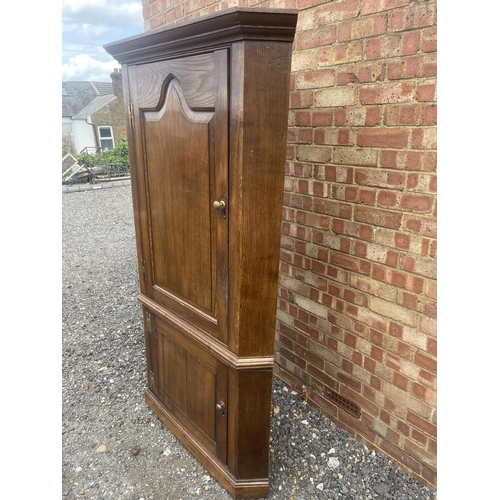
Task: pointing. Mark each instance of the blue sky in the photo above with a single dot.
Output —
(89, 24)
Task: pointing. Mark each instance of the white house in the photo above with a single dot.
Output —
(93, 114)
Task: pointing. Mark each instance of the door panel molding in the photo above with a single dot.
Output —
(171, 84)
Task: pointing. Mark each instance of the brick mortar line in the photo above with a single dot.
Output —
(374, 207)
(400, 229)
(415, 328)
(426, 281)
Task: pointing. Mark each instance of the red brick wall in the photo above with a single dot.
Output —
(357, 297)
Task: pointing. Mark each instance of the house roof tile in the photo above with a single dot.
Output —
(77, 95)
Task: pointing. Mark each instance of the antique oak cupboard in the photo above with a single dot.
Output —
(207, 109)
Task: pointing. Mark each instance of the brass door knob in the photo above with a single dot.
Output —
(220, 405)
(219, 205)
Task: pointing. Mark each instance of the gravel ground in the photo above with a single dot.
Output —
(113, 445)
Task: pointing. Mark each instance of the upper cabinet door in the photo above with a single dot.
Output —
(181, 140)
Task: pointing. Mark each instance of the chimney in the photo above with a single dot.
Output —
(116, 78)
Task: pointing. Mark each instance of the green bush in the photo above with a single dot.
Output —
(118, 155)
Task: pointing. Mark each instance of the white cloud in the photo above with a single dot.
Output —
(83, 31)
(102, 13)
(85, 68)
(87, 25)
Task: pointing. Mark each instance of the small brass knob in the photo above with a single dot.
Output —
(219, 205)
(220, 405)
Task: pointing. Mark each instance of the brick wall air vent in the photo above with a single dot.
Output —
(343, 402)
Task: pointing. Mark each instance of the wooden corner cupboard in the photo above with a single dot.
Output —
(207, 106)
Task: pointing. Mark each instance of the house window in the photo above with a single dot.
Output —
(106, 138)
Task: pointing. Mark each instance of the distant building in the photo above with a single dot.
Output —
(93, 115)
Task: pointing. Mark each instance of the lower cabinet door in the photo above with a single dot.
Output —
(191, 384)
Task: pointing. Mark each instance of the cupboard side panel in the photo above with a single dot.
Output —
(252, 427)
(260, 120)
(137, 174)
